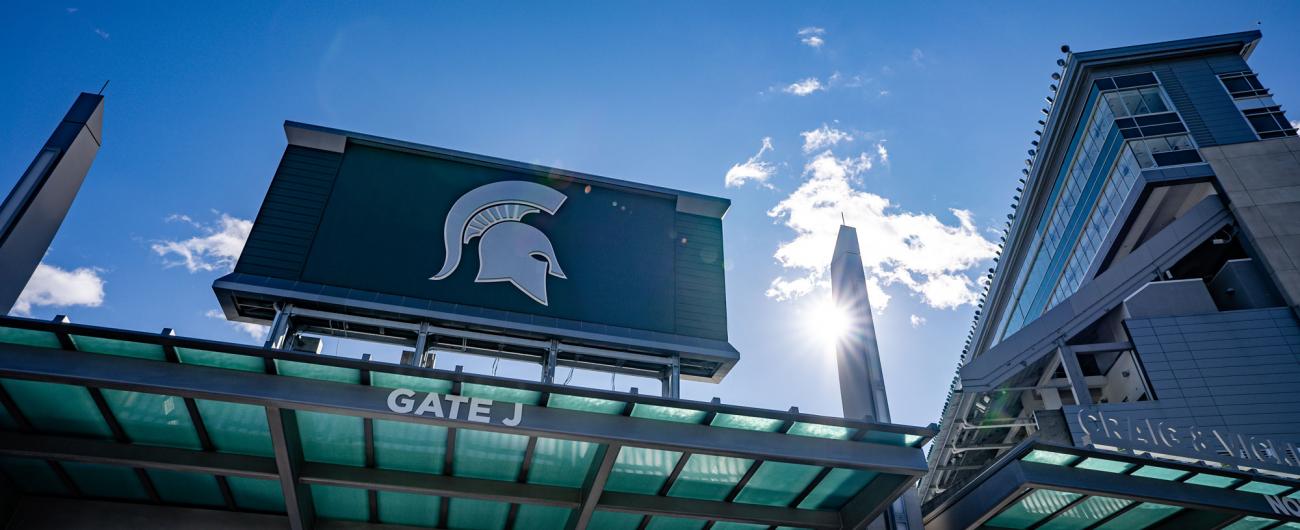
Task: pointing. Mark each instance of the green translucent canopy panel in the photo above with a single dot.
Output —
(181, 487)
(1250, 522)
(1213, 481)
(332, 438)
(709, 477)
(839, 486)
(122, 348)
(891, 438)
(488, 455)
(236, 427)
(614, 520)
(1034, 507)
(747, 423)
(29, 337)
(561, 462)
(408, 508)
(1262, 488)
(728, 525)
(1049, 457)
(1160, 473)
(585, 404)
(663, 522)
(656, 412)
(229, 361)
(1141, 516)
(153, 419)
(419, 384)
(500, 393)
(542, 517)
(1086, 513)
(58, 408)
(257, 494)
(334, 502)
(337, 374)
(471, 514)
(409, 446)
(106, 481)
(777, 483)
(817, 430)
(1103, 464)
(641, 470)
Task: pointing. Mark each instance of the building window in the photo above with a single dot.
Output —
(1269, 122)
(1257, 105)
(1243, 84)
(1164, 151)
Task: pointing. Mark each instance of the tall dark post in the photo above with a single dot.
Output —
(862, 382)
(33, 211)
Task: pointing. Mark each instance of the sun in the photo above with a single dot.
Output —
(827, 321)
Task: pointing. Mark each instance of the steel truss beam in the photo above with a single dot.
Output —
(585, 500)
(354, 400)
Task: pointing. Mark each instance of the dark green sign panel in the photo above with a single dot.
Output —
(367, 219)
(384, 231)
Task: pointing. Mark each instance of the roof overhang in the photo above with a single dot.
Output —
(133, 403)
(1040, 485)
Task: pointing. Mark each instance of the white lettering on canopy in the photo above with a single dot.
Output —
(478, 410)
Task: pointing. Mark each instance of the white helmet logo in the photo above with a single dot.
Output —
(509, 250)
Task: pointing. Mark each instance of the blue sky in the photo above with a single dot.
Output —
(939, 100)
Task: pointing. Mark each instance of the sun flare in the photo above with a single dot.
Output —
(827, 321)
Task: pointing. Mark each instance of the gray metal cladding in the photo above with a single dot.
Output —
(1194, 87)
(1235, 370)
(286, 224)
(701, 300)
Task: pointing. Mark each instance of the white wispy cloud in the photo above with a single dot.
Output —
(882, 152)
(54, 287)
(256, 331)
(804, 87)
(917, 321)
(101, 33)
(217, 248)
(917, 55)
(823, 137)
(918, 251)
(812, 36)
(755, 169)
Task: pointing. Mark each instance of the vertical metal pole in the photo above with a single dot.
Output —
(548, 364)
(280, 328)
(1073, 372)
(288, 461)
(672, 378)
(421, 345)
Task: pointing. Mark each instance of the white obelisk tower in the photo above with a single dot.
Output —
(862, 382)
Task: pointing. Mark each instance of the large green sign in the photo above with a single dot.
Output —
(371, 220)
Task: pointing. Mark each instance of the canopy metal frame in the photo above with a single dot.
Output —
(282, 397)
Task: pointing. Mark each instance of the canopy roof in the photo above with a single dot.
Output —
(106, 414)
(1041, 485)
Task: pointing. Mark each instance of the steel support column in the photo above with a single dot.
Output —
(288, 462)
(1073, 372)
(593, 486)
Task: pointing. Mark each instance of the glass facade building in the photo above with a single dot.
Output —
(1135, 359)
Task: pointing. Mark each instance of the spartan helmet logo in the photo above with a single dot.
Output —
(509, 250)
